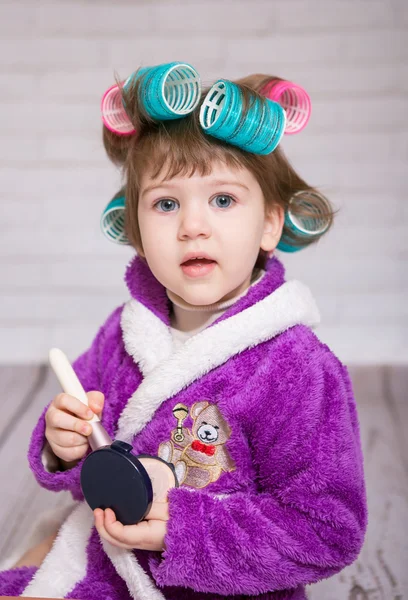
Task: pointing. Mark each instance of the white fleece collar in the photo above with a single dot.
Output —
(148, 340)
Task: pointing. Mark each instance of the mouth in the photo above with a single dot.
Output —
(197, 261)
(198, 267)
(193, 258)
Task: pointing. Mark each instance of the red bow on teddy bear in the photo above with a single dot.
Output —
(206, 448)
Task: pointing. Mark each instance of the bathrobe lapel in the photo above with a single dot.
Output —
(148, 340)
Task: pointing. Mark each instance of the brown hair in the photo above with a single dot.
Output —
(180, 147)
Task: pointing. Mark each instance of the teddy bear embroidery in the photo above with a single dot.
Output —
(199, 456)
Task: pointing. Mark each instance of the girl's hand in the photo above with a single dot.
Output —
(146, 535)
(67, 429)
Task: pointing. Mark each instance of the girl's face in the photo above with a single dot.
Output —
(221, 216)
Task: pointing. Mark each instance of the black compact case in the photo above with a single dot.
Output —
(113, 477)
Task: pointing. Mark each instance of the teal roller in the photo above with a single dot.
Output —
(308, 227)
(168, 91)
(113, 221)
(221, 116)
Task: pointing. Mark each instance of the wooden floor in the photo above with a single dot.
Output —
(380, 573)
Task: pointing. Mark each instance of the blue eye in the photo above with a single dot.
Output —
(165, 205)
(224, 200)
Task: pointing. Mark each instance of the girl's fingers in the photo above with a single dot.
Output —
(67, 403)
(69, 454)
(59, 419)
(159, 511)
(100, 526)
(66, 439)
(96, 402)
(131, 535)
(147, 535)
(114, 527)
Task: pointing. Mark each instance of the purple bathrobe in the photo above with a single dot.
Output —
(272, 493)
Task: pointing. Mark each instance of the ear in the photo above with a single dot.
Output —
(197, 408)
(273, 226)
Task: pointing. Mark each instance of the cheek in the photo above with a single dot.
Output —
(159, 253)
(153, 235)
(243, 240)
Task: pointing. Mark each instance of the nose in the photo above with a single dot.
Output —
(194, 222)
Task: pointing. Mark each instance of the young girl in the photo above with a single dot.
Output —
(211, 365)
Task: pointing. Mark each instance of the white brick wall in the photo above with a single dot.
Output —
(60, 278)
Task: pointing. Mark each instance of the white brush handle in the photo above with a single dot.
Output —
(67, 377)
(72, 386)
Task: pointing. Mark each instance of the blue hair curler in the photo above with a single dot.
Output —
(168, 91)
(113, 221)
(308, 227)
(135, 76)
(221, 116)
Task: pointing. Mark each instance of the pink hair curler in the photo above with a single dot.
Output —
(294, 99)
(113, 112)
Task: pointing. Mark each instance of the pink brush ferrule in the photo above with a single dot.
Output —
(114, 116)
(294, 99)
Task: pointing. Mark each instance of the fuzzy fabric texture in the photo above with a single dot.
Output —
(168, 369)
(13, 582)
(293, 509)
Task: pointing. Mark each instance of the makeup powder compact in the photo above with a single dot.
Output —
(112, 476)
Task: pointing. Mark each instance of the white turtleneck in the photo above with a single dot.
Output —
(188, 320)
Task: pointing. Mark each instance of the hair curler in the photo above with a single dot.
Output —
(294, 99)
(113, 221)
(113, 112)
(221, 116)
(310, 226)
(170, 91)
(167, 91)
(112, 476)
